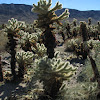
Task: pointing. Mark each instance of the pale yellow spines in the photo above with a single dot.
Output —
(25, 57)
(14, 25)
(40, 49)
(46, 15)
(53, 68)
(42, 7)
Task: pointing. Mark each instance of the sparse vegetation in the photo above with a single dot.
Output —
(50, 74)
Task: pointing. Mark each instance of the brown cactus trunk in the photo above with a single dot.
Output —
(95, 70)
(1, 73)
(12, 45)
(51, 87)
(21, 71)
(93, 64)
(50, 42)
(55, 88)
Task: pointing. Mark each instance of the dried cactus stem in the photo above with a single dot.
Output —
(89, 21)
(96, 74)
(83, 30)
(68, 30)
(27, 46)
(21, 71)
(1, 73)
(55, 88)
(52, 87)
(95, 70)
(12, 45)
(49, 42)
(84, 33)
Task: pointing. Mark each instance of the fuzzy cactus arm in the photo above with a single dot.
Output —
(25, 57)
(55, 68)
(40, 49)
(14, 26)
(57, 6)
(65, 14)
(26, 37)
(49, 3)
(42, 7)
(36, 9)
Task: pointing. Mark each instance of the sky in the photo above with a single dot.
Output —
(72, 4)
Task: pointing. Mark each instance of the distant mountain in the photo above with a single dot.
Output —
(82, 15)
(20, 11)
(23, 13)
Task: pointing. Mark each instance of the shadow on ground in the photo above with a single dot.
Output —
(77, 60)
(10, 88)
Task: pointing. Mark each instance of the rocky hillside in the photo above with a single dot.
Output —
(23, 13)
(83, 15)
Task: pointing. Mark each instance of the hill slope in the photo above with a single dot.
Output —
(23, 13)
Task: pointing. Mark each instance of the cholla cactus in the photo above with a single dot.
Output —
(27, 40)
(86, 52)
(14, 25)
(72, 43)
(21, 33)
(12, 29)
(74, 22)
(52, 72)
(54, 68)
(68, 29)
(98, 26)
(32, 38)
(83, 30)
(46, 17)
(3, 43)
(89, 21)
(24, 59)
(40, 49)
(47, 14)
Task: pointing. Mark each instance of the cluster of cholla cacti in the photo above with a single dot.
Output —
(76, 34)
(34, 45)
(37, 48)
(52, 72)
(72, 29)
(83, 48)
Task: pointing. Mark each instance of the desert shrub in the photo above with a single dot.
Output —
(81, 91)
(87, 72)
(70, 44)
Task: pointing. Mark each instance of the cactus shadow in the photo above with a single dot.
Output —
(77, 60)
(10, 89)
